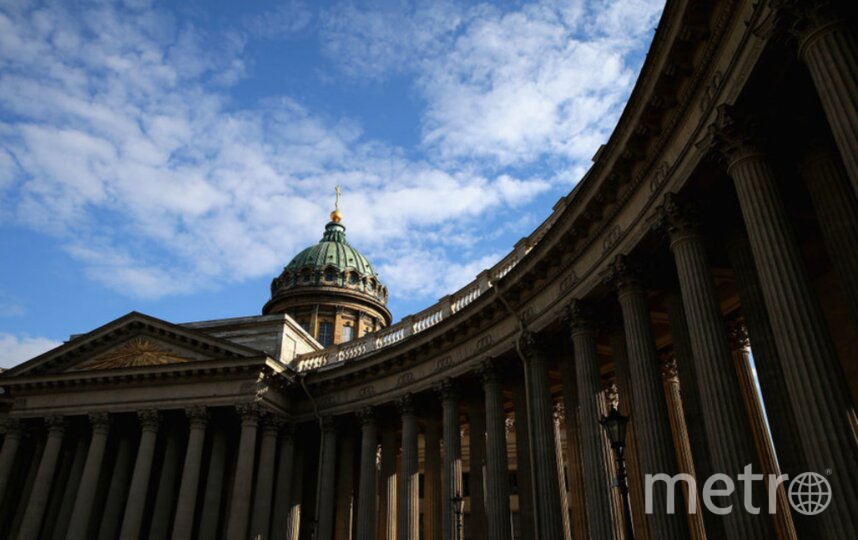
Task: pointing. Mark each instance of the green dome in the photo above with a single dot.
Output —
(332, 251)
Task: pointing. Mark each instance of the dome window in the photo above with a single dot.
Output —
(353, 279)
(329, 275)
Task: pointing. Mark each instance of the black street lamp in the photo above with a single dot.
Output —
(615, 424)
(458, 503)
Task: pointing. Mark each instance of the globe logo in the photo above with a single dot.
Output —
(809, 493)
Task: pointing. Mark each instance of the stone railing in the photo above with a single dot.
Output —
(431, 316)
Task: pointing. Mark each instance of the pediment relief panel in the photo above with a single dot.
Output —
(140, 351)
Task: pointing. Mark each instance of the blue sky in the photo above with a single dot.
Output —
(171, 158)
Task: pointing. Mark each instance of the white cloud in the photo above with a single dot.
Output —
(17, 349)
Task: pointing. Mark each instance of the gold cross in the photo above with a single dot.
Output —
(337, 200)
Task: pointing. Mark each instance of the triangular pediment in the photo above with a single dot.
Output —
(133, 341)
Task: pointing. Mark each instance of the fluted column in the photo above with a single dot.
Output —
(452, 458)
(652, 425)
(366, 511)
(165, 492)
(432, 492)
(133, 518)
(328, 482)
(118, 490)
(83, 506)
(283, 489)
(784, 426)
(239, 508)
(727, 430)
(756, 415)
(11, 443)
(575, 469)
(497, 466)
(409, 504)
(813, 373)
(523, 468)
(183, 527)
(827, 44)
(294, 529)
(213, 494)
(32, 523)
(589, 391)
(345, 486)
(836, 208)
(684, 456)
(477, 456)
(540, 414)
(387, 488)
(264, 493)
(625, 389)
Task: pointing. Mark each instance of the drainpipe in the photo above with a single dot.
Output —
(522, 328)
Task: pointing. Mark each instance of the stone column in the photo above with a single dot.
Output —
(575, 470)
(836, 209)
(118, 490)
(432, 491)
(31, 465)
(684, 456)
(476, 462)
(727, 430)
(366, 511)
(387, 488)
(540, 415)
(589, 392)
(283, 489)
(625, 389)
(32, 523)
(497, 466)
(133, 518)
(784, 426)
(345, 486)
(526, 519)
(557, 421)
(813, 373)
(328, 482)
(741, 356)
(264, 494)
(85, 500)
(239, 507)
(294, 528)
(828, 46)
(452, 458)
(11, 443)
(166, 490)
(409, 504)
(651, 423)
(213, 494)
(183, 527)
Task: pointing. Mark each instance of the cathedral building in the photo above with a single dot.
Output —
(720, 216)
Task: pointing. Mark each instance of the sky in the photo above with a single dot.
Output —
(172, 157)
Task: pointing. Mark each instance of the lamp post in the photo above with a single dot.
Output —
(615, 424)
(458, 503)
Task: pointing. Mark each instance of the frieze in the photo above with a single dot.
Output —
(443, 363)
(611, 238)
(711, 91)
(366, 391)
(659, 177)
(568, 281)
(485, 342)
(405, 378)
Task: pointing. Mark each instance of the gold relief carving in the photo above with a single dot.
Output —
(139, 352)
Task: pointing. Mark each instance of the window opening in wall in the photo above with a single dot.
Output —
(348, 333)
(326, 334)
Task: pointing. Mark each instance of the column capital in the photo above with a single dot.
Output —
(287, 431)
(558, 411)
(56, 424)
(489, 372)
(100, 422)
(366, 415)
(669, 369)
(405, 405)
(806, 20)
(739, 336)
(329, 424)
(578, 315)
(734, 135)
(197, 416)
(447, 390)
(249, 413)
(271, 423)
(676, 217)
(11, 427)
(625, 274)
(149, 419)
(531, 346)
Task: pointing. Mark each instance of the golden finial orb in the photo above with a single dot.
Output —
(336, 215)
